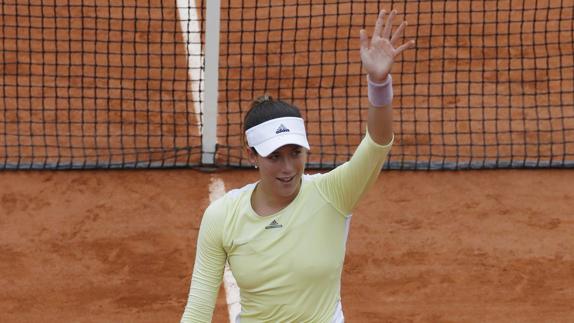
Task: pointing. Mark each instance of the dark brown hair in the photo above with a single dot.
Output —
(265, 108)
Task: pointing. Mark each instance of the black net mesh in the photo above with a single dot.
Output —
(119, 84)
(99, 84)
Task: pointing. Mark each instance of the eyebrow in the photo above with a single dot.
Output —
(294, 148)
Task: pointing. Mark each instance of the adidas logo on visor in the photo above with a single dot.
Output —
(274, 225)
(281, 129)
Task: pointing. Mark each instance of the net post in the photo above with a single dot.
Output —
(209, 112)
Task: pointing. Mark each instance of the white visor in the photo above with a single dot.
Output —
(266, 137)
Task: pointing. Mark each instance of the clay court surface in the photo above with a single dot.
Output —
(118, 246)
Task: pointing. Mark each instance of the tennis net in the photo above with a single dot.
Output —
(121, 84)
(100, 84)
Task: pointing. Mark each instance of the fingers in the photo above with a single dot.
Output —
(364, 40)
(389, 25)
(398, 33)
(379, 24)
(404, 46)
(384, 30)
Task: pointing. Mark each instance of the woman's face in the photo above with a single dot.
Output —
(281, 171)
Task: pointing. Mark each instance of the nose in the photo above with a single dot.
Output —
(287, 166)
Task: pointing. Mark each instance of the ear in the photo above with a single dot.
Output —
(251, 155)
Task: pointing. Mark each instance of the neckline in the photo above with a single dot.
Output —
(258, 217)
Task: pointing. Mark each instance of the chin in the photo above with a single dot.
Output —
(291, 190)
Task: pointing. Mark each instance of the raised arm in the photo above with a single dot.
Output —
(378, 56)
(345, 185)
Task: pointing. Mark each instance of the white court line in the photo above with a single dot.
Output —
(191, 30)
(191, 34)
(203, 79)
(217, 190)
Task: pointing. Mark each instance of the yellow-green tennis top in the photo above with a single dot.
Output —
(287, 265)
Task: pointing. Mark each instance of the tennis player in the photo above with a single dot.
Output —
(284, 236)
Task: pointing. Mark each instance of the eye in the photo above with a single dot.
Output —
(273, 156)
(296, 152)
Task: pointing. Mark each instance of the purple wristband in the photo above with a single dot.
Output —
(381, 94)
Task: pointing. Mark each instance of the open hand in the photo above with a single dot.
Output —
(379, 55)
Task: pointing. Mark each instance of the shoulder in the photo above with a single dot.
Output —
(312, 180)
(228, 202)
(312, 177)
(236, 193)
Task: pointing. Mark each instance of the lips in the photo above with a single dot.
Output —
(285, 179)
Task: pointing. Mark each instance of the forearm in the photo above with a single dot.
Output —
(200, 304)
(380, 124)
(380, 117)
(208, 268)
(378, 56)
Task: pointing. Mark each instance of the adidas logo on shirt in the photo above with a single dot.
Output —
(274, 225)
(281, 129)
